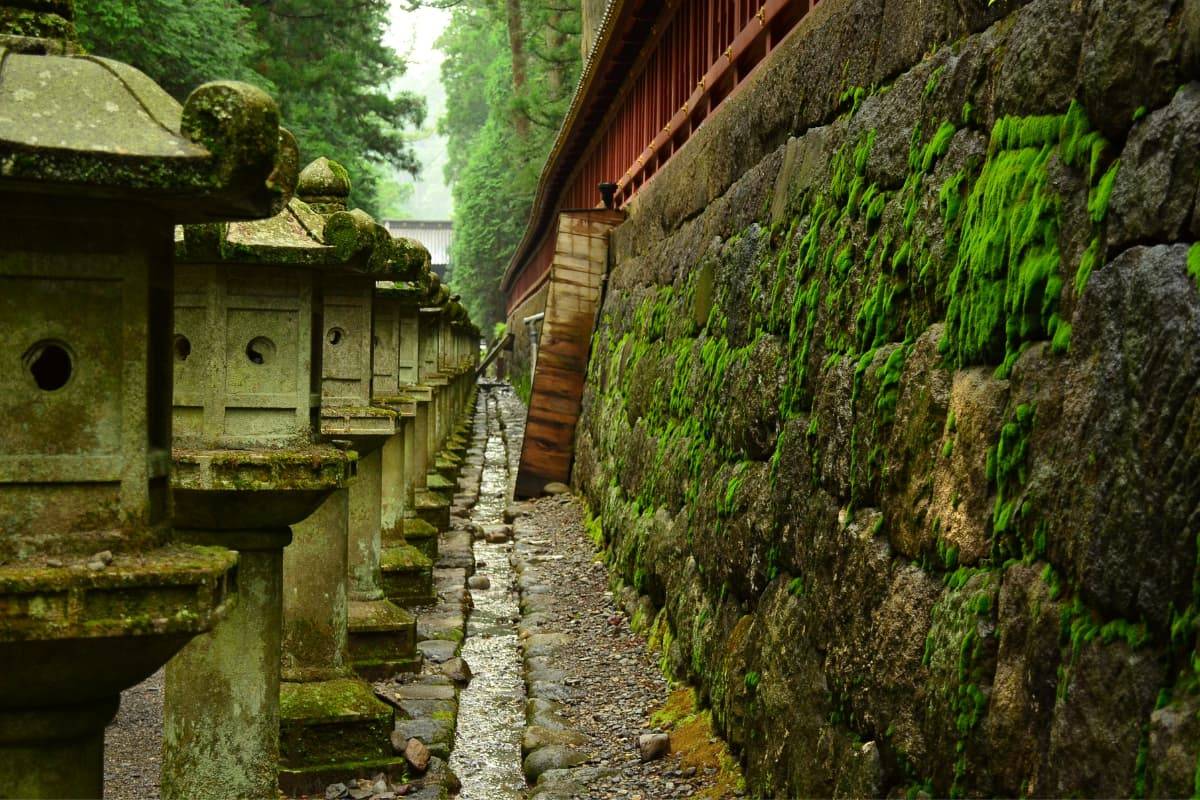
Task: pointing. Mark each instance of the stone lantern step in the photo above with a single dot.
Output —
(407, 576)
(432, 508)
(332, 730)
(421, 535)
(440, 483)
(383, 639)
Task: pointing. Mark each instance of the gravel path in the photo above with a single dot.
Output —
(133, 743)
(611, 683)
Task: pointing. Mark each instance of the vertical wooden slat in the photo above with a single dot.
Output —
(576, 277)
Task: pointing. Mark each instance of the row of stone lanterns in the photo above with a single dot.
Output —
(263, 530)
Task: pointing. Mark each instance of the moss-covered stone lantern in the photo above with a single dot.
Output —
(459, 361)
(332, 725)
(249, 463)
(97, 164)
(433, 500)
(407, 569)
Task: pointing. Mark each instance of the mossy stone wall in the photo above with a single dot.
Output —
(894, 403)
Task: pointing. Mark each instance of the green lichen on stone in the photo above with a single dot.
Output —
(1193, 263)
(1006, 470)
(960, 636)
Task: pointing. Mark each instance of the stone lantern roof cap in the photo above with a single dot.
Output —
(366, 246)
(437, 298)
(92, 128)
(325, 185)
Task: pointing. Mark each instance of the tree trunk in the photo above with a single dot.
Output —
(520, 66)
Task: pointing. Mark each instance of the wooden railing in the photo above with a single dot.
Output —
(697, 55)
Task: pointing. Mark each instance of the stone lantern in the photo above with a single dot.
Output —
(97, 164)
(407, 569)
(460, 360)
(331, 723)
(439, 479)
(249, 462)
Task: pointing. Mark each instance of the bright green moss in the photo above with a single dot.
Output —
(1098, 197)
(1193, 263)
(1006, 283)
(1087, 263)
(938, 145)
(1006, 471)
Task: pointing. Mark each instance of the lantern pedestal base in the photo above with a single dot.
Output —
(383, 639)
(221, 702)
(420, 534)
(331, 731)
(407, 576)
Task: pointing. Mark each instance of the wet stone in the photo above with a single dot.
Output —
(551, 757)
(653, 746)
(457, 670)
(422, 691)
(437, 650)
(437, 734)
(417, 755)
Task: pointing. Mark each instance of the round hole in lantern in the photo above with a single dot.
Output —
(261, 350)
(49, 363)
(183, 347)
(335, 336)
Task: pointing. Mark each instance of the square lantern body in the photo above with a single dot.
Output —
(347, 341)
(247, 359)
(84, 380)
(387, 346)
(445, 353)
(408, 360)
(430, 344)
(397, 332)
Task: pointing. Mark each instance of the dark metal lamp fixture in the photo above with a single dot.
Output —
(607, 193)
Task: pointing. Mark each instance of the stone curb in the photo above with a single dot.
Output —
(554, 755)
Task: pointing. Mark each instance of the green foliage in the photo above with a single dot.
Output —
(327, 67)
(331, 72)
(178, 43)
(509, 73)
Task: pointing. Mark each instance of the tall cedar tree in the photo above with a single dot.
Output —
(510, 70)
(324, 60)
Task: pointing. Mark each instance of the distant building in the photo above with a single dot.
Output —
(436, 235)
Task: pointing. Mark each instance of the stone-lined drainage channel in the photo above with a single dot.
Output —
(487, 752)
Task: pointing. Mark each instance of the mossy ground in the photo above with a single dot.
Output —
(696, 743)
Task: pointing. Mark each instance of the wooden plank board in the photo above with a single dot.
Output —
(572, 302)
